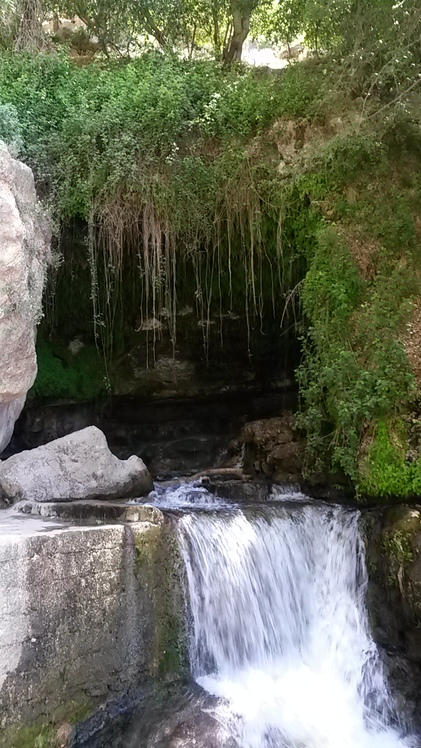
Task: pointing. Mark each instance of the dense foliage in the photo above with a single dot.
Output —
(359, 295)
(294, 190)
(164, 145)
(375, 38)
(89, 131)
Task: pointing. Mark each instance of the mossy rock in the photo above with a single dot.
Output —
(159, 568)
(48, 733)
(66, 375)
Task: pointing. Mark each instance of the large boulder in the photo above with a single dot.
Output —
(24, 255)
(77, 466)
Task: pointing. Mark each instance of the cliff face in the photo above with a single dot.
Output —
(24, 255)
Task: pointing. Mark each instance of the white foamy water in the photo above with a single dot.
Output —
(187, 495)
(279, 628)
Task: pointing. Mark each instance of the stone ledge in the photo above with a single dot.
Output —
(88, 608)
(94, 511)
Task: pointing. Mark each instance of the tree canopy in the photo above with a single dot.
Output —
(363, 29)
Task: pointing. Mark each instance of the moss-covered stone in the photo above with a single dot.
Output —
(54, 732)
(394, 563)
(63, 374)
(38, 736)
(401, 536)
(393, 543)
(159, 567)
(98, 611)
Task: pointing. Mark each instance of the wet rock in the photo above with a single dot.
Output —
(271, 447)
(93, 511)
(174, 437)
(78, 466)
(393, 540)
(24, 255)
(172, 718)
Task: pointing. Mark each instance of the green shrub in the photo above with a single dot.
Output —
(355, 369)
(10, 128)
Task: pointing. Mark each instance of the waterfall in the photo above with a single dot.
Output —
(279, 629)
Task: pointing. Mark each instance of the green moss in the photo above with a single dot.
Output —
(37, 736)
(74, 711)
(63, 375)
(172, 647)
(147, 543)
(159, 569)
(398, 544)
(173, 638)
(43, 734)
(397, 548)
(385, 472)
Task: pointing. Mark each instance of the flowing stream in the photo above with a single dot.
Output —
(279, 629)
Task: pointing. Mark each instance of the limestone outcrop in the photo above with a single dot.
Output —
(24, 255)
(77, 466)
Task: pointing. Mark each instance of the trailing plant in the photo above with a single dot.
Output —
(155, 156)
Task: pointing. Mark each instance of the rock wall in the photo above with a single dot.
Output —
(86, 613)
(174, 437)
(24, 255)
(393, 539)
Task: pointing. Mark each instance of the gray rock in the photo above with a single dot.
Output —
(391, 537)
(87, 613)
(24, 255)
(9, 414)
(77, 466)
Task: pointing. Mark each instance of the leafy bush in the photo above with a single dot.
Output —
(355, 369)
(10, 128)
(90, 131)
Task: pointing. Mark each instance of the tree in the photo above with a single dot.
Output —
(21, 24)
(222, 25)
(241, 11)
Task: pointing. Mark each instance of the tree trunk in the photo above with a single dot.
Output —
(241, 11)
(29, 36)
(153, 29)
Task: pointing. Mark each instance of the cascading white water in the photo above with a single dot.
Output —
(279, 628)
